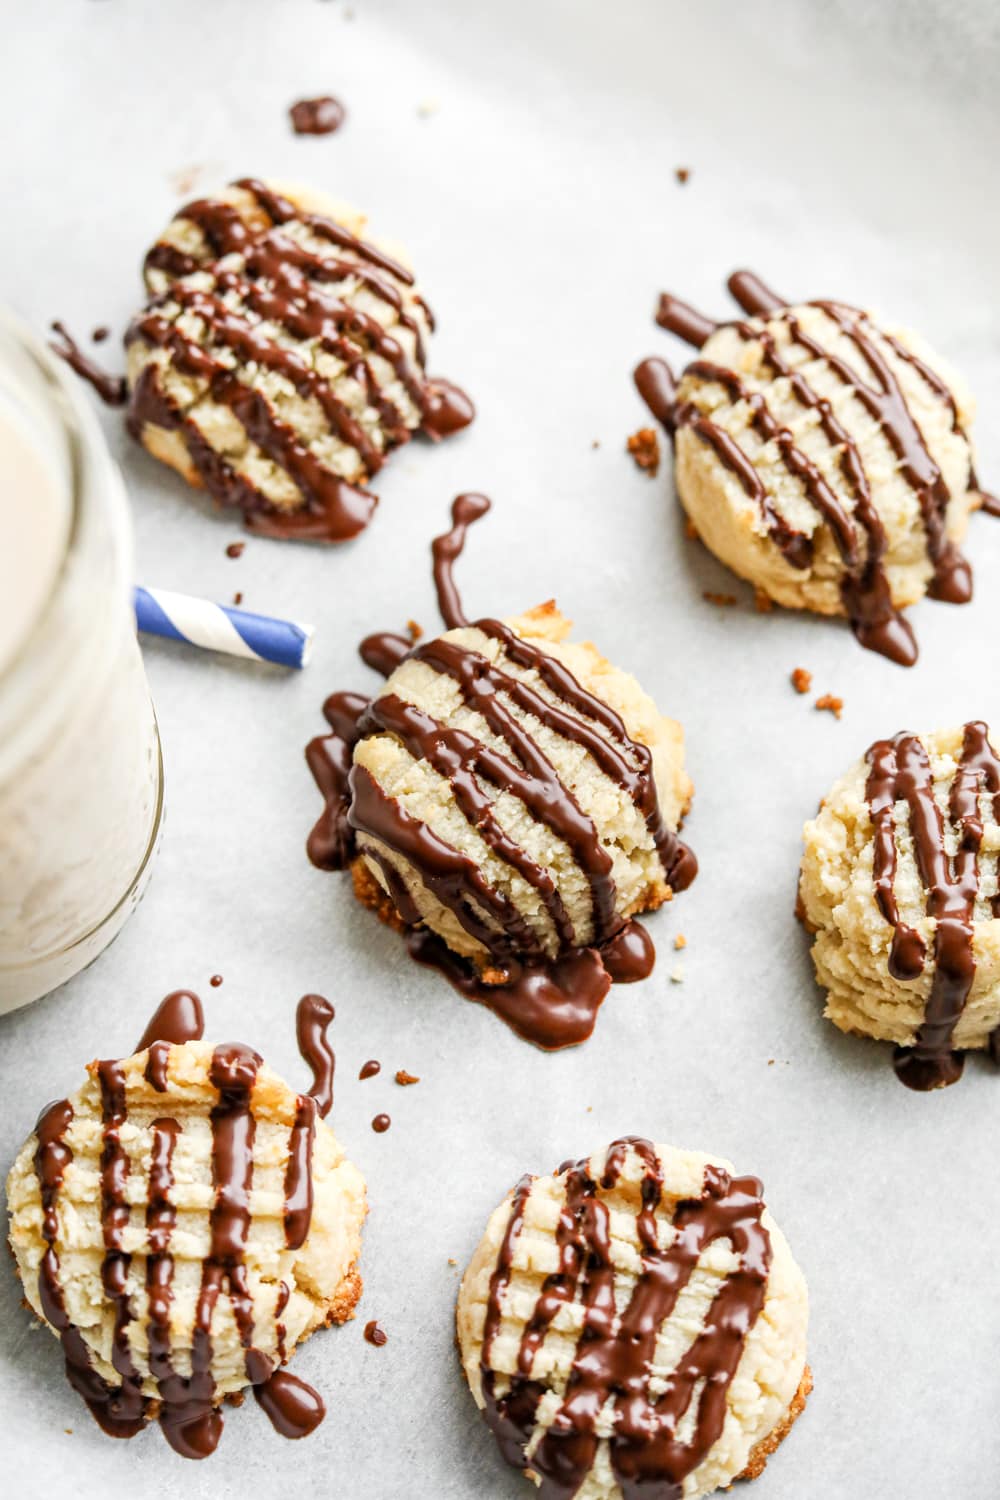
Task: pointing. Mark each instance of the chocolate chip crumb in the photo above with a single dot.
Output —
(235, 549)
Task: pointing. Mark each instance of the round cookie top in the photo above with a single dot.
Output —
(899, 884)
(824, 456)
(282, 357)
(182, 1222)
(635, 1320)
(513, 799)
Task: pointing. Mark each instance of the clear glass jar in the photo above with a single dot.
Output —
(81, 776)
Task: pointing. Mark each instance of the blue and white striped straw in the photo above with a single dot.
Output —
(216, 627)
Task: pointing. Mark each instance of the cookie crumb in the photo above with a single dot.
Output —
(830, 704)
(723, 601)
(691, 530)
(680, 941)
(184, 180)
(452, 1261)
(770, 1062)
(68, 1431)
(762, 602)
(415, 630)
(236, 549)
(644, 447)
(403, 1078)
(802, 680)
(596, 443)
(376, 1334)
(677, 975)
(683, 174)
(238, 597)
(98, 336)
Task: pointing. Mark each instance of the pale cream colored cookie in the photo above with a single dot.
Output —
(824, 456)
(154, 1184)
(883, 972)
(282, 357)
(644, 1267)
(538, 858)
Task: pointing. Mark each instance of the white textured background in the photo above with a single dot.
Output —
(845, 150)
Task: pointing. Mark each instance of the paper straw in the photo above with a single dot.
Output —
(216, 627)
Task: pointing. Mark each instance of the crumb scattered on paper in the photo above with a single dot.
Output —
(829, 704)
(644, 447)
(683, 174)
(680, 941)
(185, 180)
(677, 974)
(238, 597)
(722, 601)
(802, 680)
(416, 631)
(403, 1077)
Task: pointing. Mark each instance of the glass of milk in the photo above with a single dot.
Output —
(81, 778)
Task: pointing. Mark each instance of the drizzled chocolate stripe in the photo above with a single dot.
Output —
(875, 621)
(188, 1415)
(312, 1019)
(114, 1411)
(885, 401)
(900, 770)
(115, 1168)
(615, 1350)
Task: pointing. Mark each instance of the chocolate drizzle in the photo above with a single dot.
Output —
(110, 388)
(551, 1002)
(446, 549)
(613, 1361)
(856, 529)
(317, 116)
(188, 1404)
(279, 283)
(900, 770)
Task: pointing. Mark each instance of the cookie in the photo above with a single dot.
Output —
(182, 1222)
(282, 358)
(824, 456)
(635, 1321)
(509, 790)
(899, 888)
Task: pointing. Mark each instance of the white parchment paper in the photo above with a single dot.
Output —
(526, 153)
